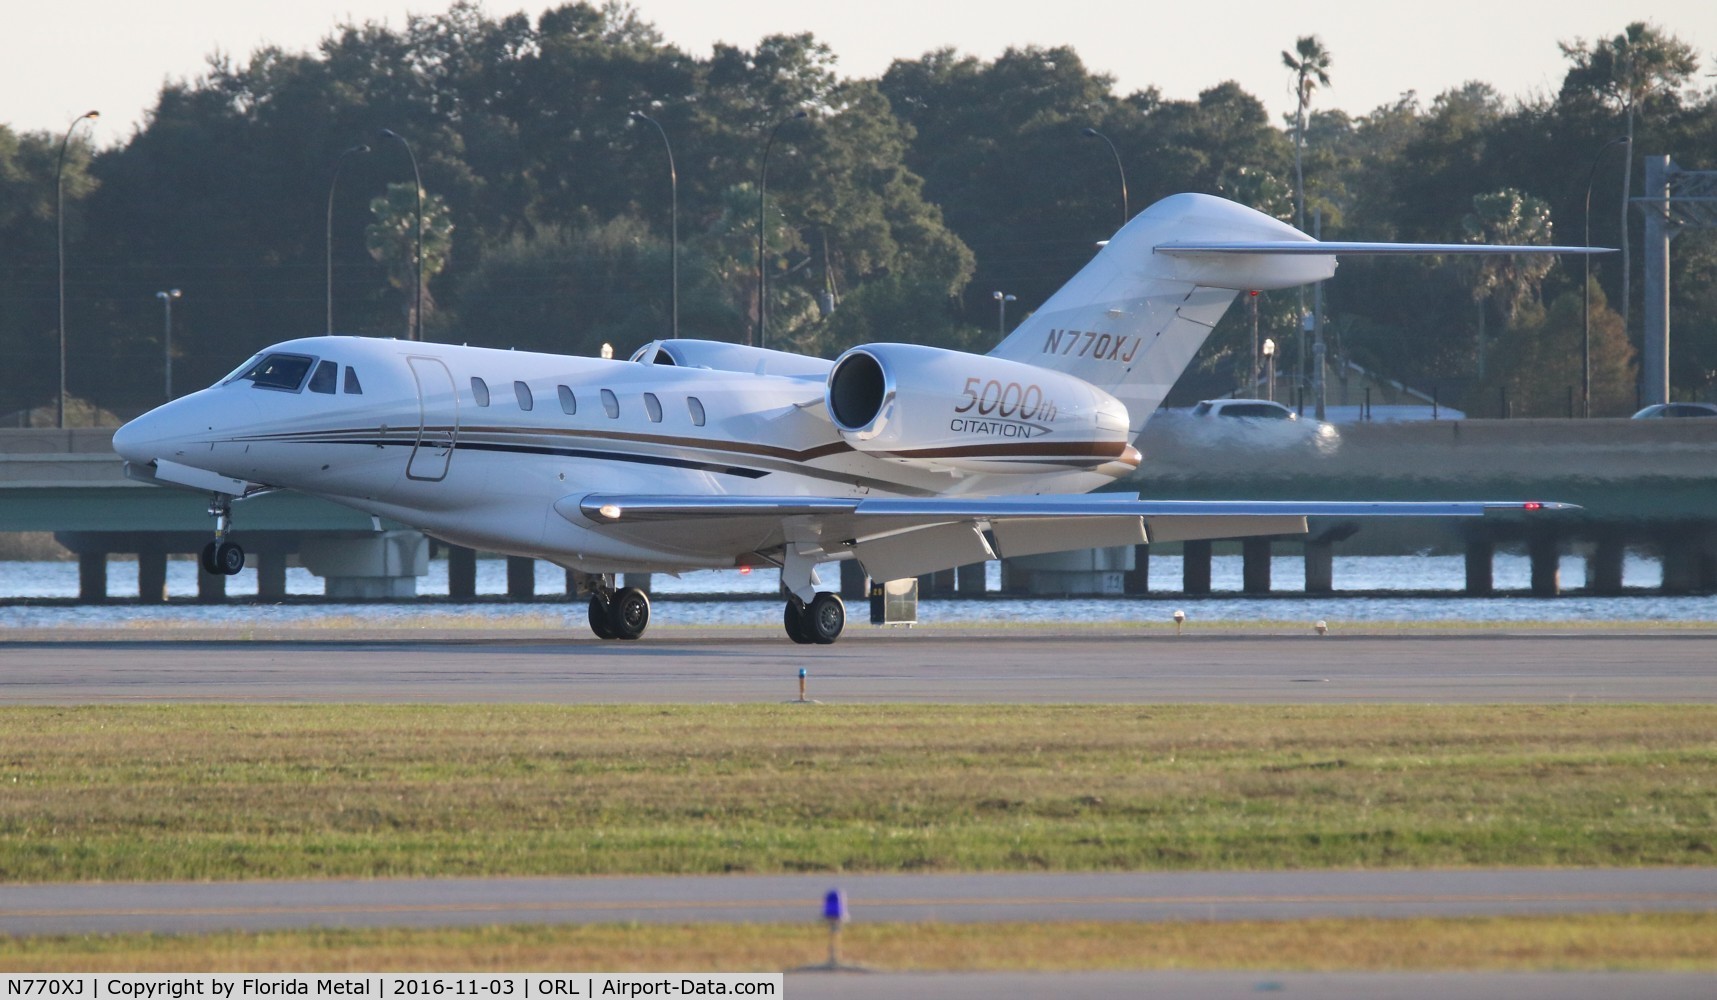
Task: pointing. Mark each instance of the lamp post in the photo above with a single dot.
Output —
(1586, 287)
(167, 298)
(1091, 133)
(360, 148)
(416, 332)
(674, 217)
(1270, 369)
(1002, 314)
(60, 220)
(762, 188)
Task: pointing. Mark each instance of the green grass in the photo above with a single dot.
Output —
(1669, 942)
(229, 792)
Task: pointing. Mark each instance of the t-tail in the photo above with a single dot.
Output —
(1131, 321)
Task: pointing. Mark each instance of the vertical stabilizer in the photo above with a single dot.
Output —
(1131, 321)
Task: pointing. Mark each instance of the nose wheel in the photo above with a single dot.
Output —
(221, 557)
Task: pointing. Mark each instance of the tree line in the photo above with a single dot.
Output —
(892, 208)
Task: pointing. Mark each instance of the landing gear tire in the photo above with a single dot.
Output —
(797, 619)
(629, 613)
(229, 558)
(209, 565)
(600, 608)
(826, 618)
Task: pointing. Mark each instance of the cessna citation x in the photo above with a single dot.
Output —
(695, 454)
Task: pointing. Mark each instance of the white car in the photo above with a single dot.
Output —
(1244, 409)
(1664, 410)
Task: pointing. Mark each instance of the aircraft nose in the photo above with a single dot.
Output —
(168, 431)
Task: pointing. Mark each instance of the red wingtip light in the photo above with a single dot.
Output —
(1532, 505)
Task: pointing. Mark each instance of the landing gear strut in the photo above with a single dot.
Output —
(221, 557)
(619, 614)
(819, 622)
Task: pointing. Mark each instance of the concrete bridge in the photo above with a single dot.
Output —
(1646, 483)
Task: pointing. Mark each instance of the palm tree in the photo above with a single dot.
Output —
(1626, 72)
(1514, 218)
(1311, 71)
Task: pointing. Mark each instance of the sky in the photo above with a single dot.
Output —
(60, 58)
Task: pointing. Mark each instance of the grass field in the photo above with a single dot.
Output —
(1655, 942)
(227, 792)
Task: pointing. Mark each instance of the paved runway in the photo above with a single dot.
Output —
(753, 665)
(183, 907)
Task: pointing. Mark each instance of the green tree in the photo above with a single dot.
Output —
(1540, 363)
(392, 240)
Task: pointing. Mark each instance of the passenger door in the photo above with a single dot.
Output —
(437, 422)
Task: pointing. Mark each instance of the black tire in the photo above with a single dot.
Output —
(796, 618)
(629, 613)
(826, 618)
(599, 616)
(229, 559)
(209, 565)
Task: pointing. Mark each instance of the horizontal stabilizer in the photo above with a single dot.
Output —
(1318, 248)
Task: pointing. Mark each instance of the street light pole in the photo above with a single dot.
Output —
(417, 306)
(167, 298)
(60, 219)
(360, 148)
(762, 188)
(1270, 368)
(1586, 287)
(1090, 133)
(674, 218)
(1002, 315)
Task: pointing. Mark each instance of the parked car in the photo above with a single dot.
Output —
(1666, 410)
(1245, 409)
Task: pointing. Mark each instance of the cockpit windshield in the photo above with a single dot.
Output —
(276, 371)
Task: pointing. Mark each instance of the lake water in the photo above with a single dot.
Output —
(1392, 589)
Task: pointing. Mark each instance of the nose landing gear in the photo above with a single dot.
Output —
(221, 557)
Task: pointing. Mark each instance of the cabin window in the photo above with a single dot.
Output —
(653, 406)
(352, 386)
(480, 390)
(326, 378)
(523, 391)
(279, 371)
(611, 403)
(695, 405)
(568, 402)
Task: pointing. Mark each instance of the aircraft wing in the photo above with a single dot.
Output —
(897, 537)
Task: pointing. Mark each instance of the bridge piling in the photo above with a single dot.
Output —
(1604, 566)
(1195, 567)
(521, 576)
(92, 577)
(1545, 552)
(462, 572)
(270, 575)
(1138, 579)
(968, 579)
(211, 587)
(1480, 554)
(1255, 565)
(152, 577)
(1320, 567)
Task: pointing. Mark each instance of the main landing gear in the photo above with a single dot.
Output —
(819, 622)
(221, 557)
(619, 614)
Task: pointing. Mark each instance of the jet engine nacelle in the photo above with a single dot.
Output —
(950, 410)
(723, 357)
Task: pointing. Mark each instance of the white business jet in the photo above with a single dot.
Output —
(695, 454)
